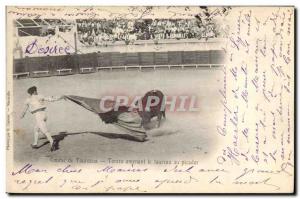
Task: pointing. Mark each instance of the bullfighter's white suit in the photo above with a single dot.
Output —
(36, 105)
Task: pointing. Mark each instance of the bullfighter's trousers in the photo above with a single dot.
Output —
(41, 119)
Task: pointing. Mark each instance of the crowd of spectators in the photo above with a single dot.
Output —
(100, 32)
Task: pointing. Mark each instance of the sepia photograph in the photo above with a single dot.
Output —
(120, 62)
(150, 99)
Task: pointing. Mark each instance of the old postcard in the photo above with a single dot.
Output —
(189, 99)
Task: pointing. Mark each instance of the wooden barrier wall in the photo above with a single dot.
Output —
(80, 63)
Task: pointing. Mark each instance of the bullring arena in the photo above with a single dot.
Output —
(186, 66)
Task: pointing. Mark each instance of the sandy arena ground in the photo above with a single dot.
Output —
(180, 135)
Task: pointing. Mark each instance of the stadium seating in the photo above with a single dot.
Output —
(93, 32)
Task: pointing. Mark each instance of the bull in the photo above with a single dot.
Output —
(152, 105)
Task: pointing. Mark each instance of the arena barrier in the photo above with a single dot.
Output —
(95, 62)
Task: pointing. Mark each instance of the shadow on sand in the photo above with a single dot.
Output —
(138, 137)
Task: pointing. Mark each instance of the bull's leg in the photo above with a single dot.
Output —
(158, 119)
(164, 114)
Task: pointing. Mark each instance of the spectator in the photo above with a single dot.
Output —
(99, 32)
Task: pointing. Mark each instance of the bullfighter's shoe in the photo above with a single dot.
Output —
(34, 146)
